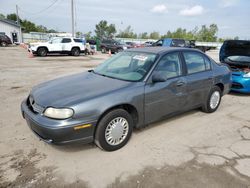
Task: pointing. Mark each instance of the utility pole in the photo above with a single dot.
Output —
(72, 18)
(18, 23)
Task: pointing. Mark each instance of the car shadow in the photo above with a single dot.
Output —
(234, 93)
(75, 147)
(79, 147)
(168, 120)
(60, 55)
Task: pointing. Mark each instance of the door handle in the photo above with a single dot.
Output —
(180, 83)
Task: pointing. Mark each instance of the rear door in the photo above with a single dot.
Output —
(199, 78)
(66, 44)
(164, 98)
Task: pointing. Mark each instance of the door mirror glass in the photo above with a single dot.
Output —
(159, 77)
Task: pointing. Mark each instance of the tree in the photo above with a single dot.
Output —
(144, 35)
(127, 33)
(13, 17)
(88, 35)
(2, 16)
(79, 34)
(28, 26)
(42, 28)
(154, 35)
(103, 30)
(207, 34)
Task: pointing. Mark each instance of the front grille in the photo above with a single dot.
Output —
(33, 106)
(236, 85)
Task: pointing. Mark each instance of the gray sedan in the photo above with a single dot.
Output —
(129, 90)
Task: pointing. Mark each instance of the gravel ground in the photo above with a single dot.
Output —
(191, 150)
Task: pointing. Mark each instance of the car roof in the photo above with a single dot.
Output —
(160, 50)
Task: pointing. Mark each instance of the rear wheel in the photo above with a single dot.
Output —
(75, 51)
(3, 44)
(103, 50)
(213, 100)
(114, 130)
(42, 52)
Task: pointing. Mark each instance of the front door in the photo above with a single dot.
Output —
(165, 98)
(55, 45)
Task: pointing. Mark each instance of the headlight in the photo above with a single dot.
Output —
(247, 75)
(124, 47)
(58, 113)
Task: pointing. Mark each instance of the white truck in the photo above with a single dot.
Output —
(64, 45)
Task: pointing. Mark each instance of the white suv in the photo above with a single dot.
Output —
(68, 45)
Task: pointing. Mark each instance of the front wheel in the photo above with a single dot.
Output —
(114, 130)
(75, 52)
(42, 52)
(213, 100)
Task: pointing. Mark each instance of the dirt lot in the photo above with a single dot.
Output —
(191, 150)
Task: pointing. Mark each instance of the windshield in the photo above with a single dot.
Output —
(243, 59)
(129, 66)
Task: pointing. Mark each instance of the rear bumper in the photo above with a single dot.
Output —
(57, 131)
(240, 84)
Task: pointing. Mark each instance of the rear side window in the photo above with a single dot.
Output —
(66, 40)
(178, 43)
(196, 62)
(78, 40)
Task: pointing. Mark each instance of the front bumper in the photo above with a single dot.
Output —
(32, 50)
(57, 131)
(240, 84)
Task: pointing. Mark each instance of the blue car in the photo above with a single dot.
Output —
(236, 54)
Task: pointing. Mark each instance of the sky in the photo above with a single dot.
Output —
(231, 16)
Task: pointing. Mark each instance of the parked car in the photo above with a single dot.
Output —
(148, 43)
(236, 54)
(4, 40)
(192, 44)
(133, 45)
(63, 45)
(113, 45)
(169, 42)
(129, 90)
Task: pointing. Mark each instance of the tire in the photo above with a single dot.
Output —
(3, 44)
(213, 100)
(42, 52)
(110, 138)
(103, 50)
(119, 50)
(75, 52)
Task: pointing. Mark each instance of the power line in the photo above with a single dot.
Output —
(34, 13)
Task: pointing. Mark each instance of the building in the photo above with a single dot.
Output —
(11, 29)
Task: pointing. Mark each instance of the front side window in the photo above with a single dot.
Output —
(196, 62)
(66, 40)
(170, 65)
(129, 66)
(56, 40)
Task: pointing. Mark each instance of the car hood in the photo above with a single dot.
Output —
(232, 48)
(70, 90)
(38, 43)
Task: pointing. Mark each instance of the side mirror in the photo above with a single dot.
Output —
(158, 77)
